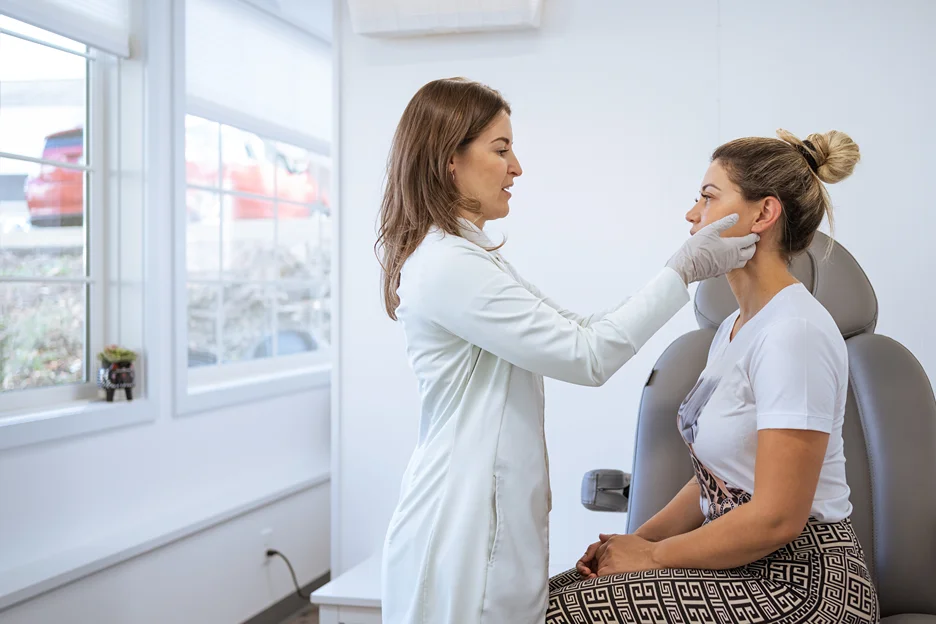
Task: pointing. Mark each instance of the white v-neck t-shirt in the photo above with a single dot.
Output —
(787, 368)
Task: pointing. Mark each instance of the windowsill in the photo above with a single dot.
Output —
(72, 419)
(254, 388)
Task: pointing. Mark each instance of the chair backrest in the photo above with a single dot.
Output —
(889, 432)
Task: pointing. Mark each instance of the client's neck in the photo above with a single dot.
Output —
(762, 277)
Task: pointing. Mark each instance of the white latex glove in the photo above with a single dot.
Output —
(706, 254)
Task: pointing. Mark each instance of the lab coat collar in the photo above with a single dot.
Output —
(474, 234)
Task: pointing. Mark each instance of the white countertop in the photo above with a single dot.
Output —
(358, 587)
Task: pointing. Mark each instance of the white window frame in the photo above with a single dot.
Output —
(94, 168)
(43, 414)
(240, 382)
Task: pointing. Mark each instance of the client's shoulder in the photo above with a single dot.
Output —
(801, 319)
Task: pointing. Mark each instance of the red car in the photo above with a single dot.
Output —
(55, 197)
(251, 166)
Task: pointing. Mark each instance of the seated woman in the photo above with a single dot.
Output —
(771, 540)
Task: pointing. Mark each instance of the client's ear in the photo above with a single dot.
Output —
(770, 211)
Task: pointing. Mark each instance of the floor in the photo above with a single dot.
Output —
(309, 615)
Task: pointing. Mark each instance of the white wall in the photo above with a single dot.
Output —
(214, 577)
(62, 495)
(617, 107)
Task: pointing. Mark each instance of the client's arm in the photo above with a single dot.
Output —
(786, 475)
(681, 515)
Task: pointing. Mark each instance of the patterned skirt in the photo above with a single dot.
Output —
(821, 578)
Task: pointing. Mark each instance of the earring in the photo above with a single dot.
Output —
(453, 175)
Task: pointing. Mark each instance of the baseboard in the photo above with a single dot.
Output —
(289, 605)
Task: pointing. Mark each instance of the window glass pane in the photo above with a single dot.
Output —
(42, 334)
(321, 270)
(321, 258)
(323, 182)
(247, 235)
(304, 245)
(295, 173)
(321, 314)
(248, 322)
(297, 238)
(203, 313)
(246, 165)
(202, 152)
(294, 311)
(203, 235)
(43, 101)
(41, 213)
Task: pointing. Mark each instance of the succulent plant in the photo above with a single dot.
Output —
(114, 353)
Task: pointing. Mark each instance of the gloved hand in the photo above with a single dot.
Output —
(706, 254)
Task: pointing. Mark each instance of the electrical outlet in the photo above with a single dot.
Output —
(266, 536)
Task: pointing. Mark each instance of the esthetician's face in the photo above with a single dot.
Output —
(486, 168)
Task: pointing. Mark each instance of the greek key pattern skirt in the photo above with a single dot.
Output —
(820, 578)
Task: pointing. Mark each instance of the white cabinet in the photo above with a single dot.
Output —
(330, 614)
(353, 597)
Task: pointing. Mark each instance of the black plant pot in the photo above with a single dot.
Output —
(114, 376)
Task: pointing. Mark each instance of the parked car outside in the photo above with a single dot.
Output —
(252, 168)
(55, 196)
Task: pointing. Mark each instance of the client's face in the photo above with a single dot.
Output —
(719, 198)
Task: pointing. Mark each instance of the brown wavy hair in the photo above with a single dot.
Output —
(442, 119)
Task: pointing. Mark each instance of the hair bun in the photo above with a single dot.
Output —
(834, 153)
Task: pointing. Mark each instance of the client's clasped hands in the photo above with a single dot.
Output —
(617, 554)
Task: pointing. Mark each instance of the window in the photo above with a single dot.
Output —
(257, 251)
(71, 214)
(254, 211)
(51, 193)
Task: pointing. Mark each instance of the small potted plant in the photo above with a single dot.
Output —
(116, 371)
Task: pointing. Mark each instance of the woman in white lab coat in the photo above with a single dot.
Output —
(468, 541)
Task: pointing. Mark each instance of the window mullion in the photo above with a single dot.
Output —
(219, 324)
(96, 201)
(115, 204)
(271, 289)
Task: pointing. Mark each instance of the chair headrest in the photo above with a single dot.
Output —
(836, 281)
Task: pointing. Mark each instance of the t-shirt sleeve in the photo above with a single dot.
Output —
(796, 375)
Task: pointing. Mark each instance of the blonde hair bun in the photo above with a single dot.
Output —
(834, 152)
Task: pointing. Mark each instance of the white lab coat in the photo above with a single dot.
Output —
(468, 542)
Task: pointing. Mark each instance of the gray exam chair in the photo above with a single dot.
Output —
(889, 431)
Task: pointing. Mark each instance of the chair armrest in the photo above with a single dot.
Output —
(606, 490)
